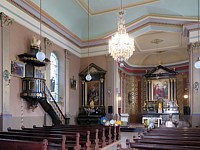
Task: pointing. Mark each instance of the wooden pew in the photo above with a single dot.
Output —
(184, 138)
(168, 142)
(8, 144)
(71, 137)
(52, 141)
(114, 134)
(115, 130)
(94, 133)
(70, 141)
(142, 146)
(167, 139)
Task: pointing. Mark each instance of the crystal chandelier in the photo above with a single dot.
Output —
(121, 46)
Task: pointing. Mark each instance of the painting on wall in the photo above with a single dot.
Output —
(160, 89)
(93, 93)
(73, 84)
(17, 68)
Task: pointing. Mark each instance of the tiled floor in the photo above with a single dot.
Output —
(124, 136)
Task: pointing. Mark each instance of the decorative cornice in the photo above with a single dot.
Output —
(142, 70)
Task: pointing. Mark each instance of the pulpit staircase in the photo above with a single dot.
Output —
(52, 108)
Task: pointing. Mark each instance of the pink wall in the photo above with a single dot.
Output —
(74, 94)
(1, 72)
(20, 38)
(98, 60)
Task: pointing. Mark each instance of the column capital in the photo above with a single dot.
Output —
(47, 43)
(5, 20)
(101, 80)
(67, 54)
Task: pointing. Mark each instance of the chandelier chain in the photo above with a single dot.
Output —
(88, 76)
(198, 29)
(88, 33)
(40, 23)
(121, 46)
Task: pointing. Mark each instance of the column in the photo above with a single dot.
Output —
(112, 69)
(83, 94)
(5, 67)
(67, 86)
(147, 91)
(102, 92)
(194, 76)
(124, 92)
(121, 91)
(175, 90)
(192, 32)
(150, 91)
(171, 90)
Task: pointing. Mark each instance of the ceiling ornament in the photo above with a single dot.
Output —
(40, 55)
(157, 41)
(88, 77)
(121, 46)
(197, 63)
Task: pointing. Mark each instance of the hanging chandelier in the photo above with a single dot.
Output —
(88, 77)
(40, 55)
(121, 46)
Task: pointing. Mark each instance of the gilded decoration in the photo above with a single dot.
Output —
(143, 92)
(132, 97)
(181, 90)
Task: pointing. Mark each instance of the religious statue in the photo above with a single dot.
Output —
(35, 42)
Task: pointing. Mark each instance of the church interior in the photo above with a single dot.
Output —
(61, 65)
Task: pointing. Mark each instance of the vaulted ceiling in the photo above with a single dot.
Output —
(146, 21)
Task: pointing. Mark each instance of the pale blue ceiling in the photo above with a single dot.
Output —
(71, 15)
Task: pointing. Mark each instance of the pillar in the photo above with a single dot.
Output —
(5, 67)
(112, 91)
(102, 92)
(194, 74)
(67, 86)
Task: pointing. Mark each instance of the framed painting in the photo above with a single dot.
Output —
(73, 84)
(160, 89)
(39, 73)
(92, 93)
(17, 68)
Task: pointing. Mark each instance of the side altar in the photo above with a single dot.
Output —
(92, 102)
(161, 103)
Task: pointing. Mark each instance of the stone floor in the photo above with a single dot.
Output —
(124, 136)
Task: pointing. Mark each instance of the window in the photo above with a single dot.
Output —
(54, 75)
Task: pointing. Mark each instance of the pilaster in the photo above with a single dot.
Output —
(5, 70)
(67, 86)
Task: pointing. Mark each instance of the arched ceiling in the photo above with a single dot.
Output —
(146, 20)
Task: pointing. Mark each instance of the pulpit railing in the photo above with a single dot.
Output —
(54, 105)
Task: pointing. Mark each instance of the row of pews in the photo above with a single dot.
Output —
(165, 139)
(63, 137)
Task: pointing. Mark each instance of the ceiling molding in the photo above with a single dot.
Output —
(92, 12)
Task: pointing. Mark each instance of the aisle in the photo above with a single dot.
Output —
(124, 136)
